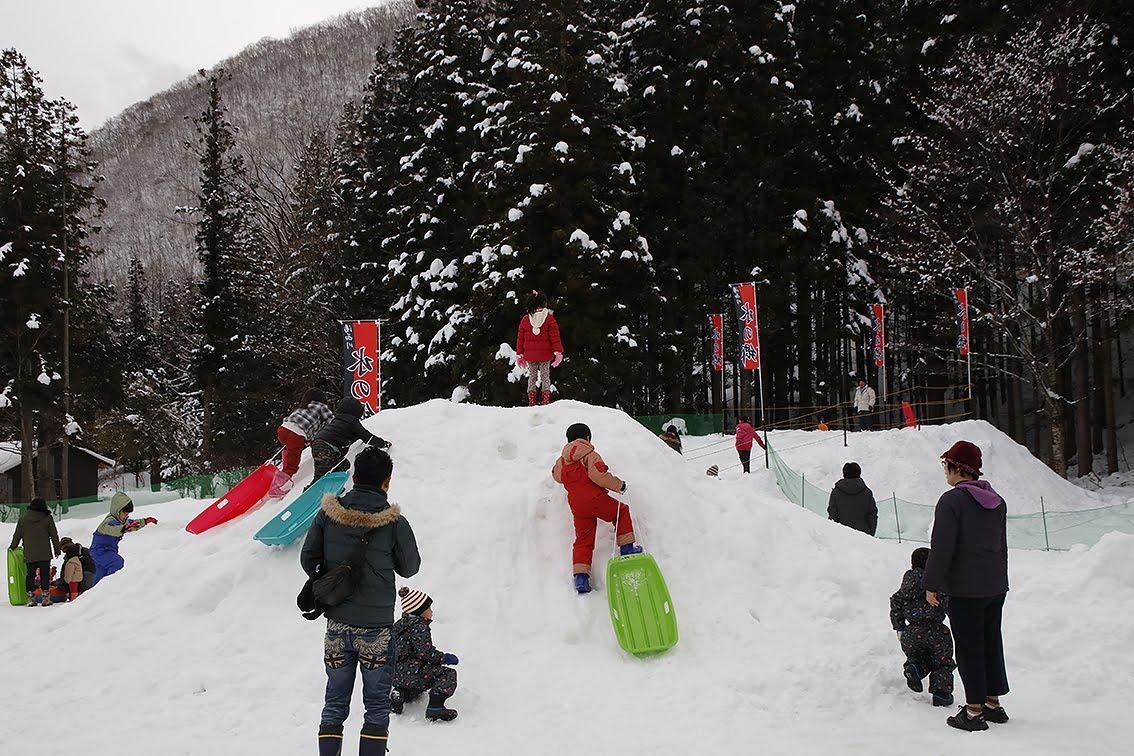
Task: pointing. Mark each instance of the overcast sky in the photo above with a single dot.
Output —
(105, 55)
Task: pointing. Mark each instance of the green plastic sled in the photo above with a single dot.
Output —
(17, 578)
(641, 610)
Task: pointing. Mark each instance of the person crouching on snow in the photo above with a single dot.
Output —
(587, 479)
(921, 629)
(104, 542)
(538, 347)
(421, 667)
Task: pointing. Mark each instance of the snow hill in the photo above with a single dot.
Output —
(197, 648)
(906, 461)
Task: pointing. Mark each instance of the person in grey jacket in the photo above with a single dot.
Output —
(359, 629)
(36, 529)
(852, 502)
(968, 562)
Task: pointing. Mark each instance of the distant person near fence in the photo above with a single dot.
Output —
(864, 401)
(852, 502)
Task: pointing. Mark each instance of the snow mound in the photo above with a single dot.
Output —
(783, 619)
(906, 461)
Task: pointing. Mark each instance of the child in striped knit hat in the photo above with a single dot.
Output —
(421, 667)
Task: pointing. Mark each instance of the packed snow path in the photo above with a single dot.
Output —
(786, 648)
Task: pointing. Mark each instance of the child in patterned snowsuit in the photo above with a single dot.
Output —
(921, 629)
(421, 667)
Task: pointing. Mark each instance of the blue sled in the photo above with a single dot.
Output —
(298, 516)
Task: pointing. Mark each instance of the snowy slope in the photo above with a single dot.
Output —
(196, 648)
(906, 461)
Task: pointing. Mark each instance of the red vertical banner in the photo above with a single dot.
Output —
(878, 314)
(361, 372)
(744, 298)
(961, 303)
(716, 327)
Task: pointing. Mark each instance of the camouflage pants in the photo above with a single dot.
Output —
(327, 459)
(346, 649)
(929, 651)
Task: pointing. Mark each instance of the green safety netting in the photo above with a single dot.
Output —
(695, 425)
(903, 520)
(207, 486)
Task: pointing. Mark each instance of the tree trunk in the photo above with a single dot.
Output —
(27, 463)
(1054, 408)
(1107, 384)
(207, 424)
(1082, 389)
(1098, 404)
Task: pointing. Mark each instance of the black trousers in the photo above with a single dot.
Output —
(44, 576)
(975, 623)
(745, 458)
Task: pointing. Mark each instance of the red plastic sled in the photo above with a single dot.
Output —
(243, 496)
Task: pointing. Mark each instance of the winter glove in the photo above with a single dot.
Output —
(623, 489)
(449, 659)
(521, 363)
(151, 521)
(899, 636)
(558, 359)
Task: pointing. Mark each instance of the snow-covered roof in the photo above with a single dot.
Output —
(10, 456)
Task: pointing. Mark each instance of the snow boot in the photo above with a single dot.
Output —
(629, 548)
(962, 721)
(943, 699)
(397, 703)
(373, 740)
(546, 397)
(913, 678)
(531, 399)
(31, 599)
(995, 714)
(583, 582)
(330, 741)
(281, 484)
(436, 712)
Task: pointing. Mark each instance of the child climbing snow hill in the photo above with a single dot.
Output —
(421, 667)
(921, 629)
(296, 431)
(538, 347)
(334, 440)
(587, 479)
(104, 542)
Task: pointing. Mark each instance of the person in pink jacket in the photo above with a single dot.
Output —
(745, 435)
(538, 347)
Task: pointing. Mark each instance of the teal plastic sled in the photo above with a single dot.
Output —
(640, 607)
(294, 521)
(17, 578)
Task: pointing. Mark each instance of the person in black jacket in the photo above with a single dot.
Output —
(334, 439)
(359, 629)
(922, 633)
(968, 562)
(852, 502)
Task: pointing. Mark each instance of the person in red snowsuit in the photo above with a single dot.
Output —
(538, 347)
(588, 480)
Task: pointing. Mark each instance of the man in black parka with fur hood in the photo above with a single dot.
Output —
(359, 629)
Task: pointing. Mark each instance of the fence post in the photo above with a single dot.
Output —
(803, 490)
(845, 421)
(897, 522)
(1043, 513)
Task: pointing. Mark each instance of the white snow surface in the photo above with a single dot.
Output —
(785, 648)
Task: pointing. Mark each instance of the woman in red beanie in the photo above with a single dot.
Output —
(968, 562)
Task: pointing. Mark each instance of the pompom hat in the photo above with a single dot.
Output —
(414, 602)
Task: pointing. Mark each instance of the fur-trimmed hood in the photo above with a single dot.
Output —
(357, 518)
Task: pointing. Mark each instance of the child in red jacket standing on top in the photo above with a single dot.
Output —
(587, 479)
(538, 347)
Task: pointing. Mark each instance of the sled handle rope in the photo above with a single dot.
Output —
(617, 516)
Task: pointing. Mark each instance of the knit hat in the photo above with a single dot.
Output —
(964, 456)
(414, 602)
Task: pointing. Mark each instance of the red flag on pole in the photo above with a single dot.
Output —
(361, 372)
(961, 302)
(744, 298)
(878, 313)
(716, 324)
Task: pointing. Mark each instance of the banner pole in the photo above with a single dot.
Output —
(761, 377)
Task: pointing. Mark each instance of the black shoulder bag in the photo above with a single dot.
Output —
(330, 588)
